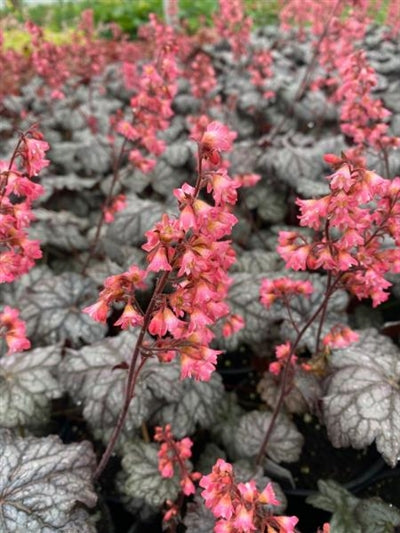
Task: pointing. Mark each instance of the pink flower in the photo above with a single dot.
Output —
(117, 204)
(285, 523)
(243, 520)
(232, 324)
(247, 180)
(14, 330)
(268, 496)
(34, 155)
(340, 337)
(127, 130)
(217, 138)
(165, 320)
(129, 317)
(198, 362)
(158, 260)
(98, 311)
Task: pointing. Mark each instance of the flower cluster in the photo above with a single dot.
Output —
(48, 60)
(16, 69)
(17, 192)
(202, 77)
(78, 61)
(260, 70)
(348, 76)
(241, 507)
(357, 229)
(154, 86)
(283, 353)
(340, 337)
(362, 116)
(120, 288)
(337, 44)
(17, 252)
(232, 25)
(283, 288)
(118, 203)
(14, 330)
(175, 454)
(192, 259)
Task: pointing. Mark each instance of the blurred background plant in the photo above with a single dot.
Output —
(60, 15)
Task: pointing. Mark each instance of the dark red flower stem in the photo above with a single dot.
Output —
(285, 374)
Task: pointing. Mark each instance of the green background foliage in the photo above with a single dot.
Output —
(130, 14)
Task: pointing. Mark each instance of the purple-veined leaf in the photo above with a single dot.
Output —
(197, 405)
(131, 223)
(61, 229)
(142, 478)
(165, 177)
(52, 309)
(362, 399)
(27, 385)
(284, 445)
(302, 397)
(227, 415)
(69, 182)
(269, 201)
(92, 377)
(42, 481)
(198, 518)
(257, 262)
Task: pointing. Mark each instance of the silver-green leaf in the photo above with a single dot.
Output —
(41, 483)
(198, 518)
(197, 405)
(52, 310)
(362, 399)
(284, 445)
(92, 377)
(349, 513)
(138, 217)
(142, 477)
(27, 386)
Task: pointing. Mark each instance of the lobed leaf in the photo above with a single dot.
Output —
(142, 477)
(42, 481)
(198, 518)
(227, 415)
(196, 405)
(257, 261)
(138, 217)
(91, 376)
(349, 513)
(52, 309)
(284, 445)
(303, 396)
(362, 399)
(27, 386)
(61, 229)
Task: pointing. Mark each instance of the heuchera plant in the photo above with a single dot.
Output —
(149, 241)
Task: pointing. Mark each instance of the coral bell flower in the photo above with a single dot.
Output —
(217, 138)
(34, 155)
